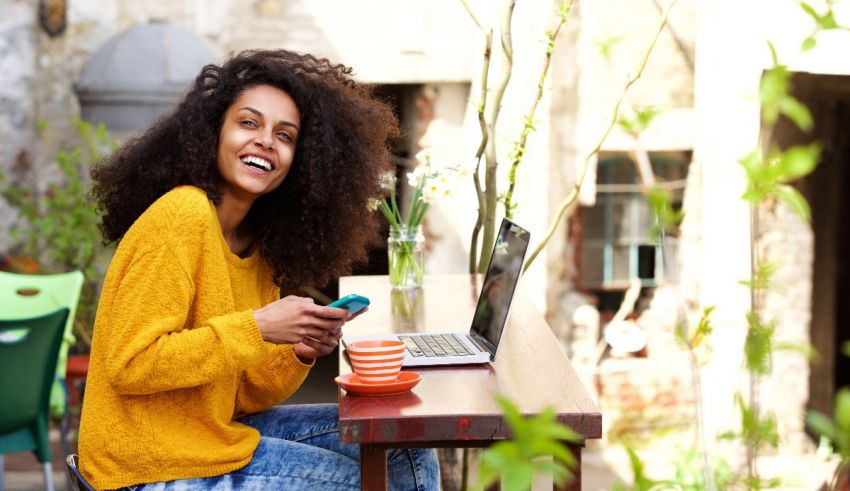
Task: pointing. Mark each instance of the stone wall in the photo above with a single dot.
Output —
(17, 106)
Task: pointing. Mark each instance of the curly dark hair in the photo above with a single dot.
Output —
(316, 225)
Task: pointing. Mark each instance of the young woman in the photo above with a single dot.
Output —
(258, 180)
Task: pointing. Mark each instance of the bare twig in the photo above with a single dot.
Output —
(476, 176)
(519, 149)
(686, 55)
(473, 16)
(573, 195)
(488, 218)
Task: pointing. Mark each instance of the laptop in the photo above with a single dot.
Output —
(479, 344)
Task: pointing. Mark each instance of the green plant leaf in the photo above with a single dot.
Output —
(799, 161)
(795, 200)
(606, 46)
(821, 424)
(514, 460)
(512, 415)
(809, 10)
(805, 349)
(642, 481)
(758, 346)
(846, 349)
(751, 162)
(775, 84)
(704, 328)
(728, 435)
(517, 476)
(827, 21)
(773, 55)
(808, 44)
(842, 409)
(665, 218)
(796, 112)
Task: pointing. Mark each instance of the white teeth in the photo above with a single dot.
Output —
(258, 162)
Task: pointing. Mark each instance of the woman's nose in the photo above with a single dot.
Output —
(264, 139)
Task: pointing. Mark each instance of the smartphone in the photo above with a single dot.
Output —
(354, 303)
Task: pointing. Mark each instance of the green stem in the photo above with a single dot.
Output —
(403, 259)
(396, 213)
(414, 207)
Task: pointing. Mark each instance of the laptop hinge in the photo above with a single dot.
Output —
(480, 344)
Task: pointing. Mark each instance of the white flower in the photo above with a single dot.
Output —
(373, 204)
(463, 171)
(387, 180)
(424, 156)
(417, 177)
(444, 185)
(433, 189)
(430, 193)
(438, 187)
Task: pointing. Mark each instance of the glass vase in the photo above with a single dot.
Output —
(406, 254)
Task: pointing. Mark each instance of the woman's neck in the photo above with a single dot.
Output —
(231, 215)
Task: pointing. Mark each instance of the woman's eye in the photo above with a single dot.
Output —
(249, 123)
(284, 136)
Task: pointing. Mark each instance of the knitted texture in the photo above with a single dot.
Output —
(177, 354)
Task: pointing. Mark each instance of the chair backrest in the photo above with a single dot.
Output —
(27, 295)
(74, 475)
(27, 370)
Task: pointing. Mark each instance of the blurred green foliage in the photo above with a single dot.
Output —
(823, 22)
(837, 429)
(59, 224)
(518, 460)
(688, 473)
(666, 218)
(642, 117)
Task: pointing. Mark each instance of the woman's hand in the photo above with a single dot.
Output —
(313, 330)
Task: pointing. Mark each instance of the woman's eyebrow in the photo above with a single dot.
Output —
(263, 116)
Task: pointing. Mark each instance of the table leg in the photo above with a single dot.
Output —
(575, 483)
(373, 468)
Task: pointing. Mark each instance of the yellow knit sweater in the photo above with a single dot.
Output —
(177, 354)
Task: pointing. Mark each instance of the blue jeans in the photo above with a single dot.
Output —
(300, 449)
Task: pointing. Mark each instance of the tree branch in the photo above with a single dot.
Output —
(519, 148)
(485, 137)
(570, 199)
(473, 16)
(490, 179)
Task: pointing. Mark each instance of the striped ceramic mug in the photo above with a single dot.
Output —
(376, 361)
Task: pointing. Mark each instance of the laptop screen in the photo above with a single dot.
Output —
(499, 284)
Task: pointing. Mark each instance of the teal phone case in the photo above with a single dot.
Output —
(353, 302)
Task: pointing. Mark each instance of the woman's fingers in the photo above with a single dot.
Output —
(322, 346)
(293, 319)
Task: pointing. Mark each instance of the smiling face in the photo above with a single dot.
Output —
(257, 143)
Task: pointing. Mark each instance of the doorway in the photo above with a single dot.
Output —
(828, 98)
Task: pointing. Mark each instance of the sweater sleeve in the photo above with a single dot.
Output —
(270, 382)
(152, 349)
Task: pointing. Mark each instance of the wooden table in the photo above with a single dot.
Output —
(454, 406)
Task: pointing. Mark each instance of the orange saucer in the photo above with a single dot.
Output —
(355, 387)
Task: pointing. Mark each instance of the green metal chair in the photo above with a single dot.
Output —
(27, 369)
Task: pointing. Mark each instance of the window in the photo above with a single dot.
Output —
(616, 242)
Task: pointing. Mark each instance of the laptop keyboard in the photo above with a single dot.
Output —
(433, 345)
